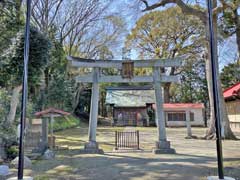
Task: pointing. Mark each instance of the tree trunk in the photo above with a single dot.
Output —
(226, 130)
(237, 24)
(211, 130)
(14, 104)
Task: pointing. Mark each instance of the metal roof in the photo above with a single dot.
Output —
(231, 92)
(50, 111)
(130, 98)
(126, 88)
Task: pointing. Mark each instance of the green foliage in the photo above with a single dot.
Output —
(11, 21)
(58, 62)
(230, 75)
(193, 86)
(229, 20)
(84, 100)
(60, 93)
(12, 152)
(151, 115)
(4, 103)
(66, 122)
(167, 34)
(8, 134)
(164, 34)
(7, 131)
(59, 87)
(12, 65)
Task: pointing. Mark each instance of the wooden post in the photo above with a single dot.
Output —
(51, 121)
(138, 140)
(188, 123)
(94, 106)
(116, 140)
(44, 134)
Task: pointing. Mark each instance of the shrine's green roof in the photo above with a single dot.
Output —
(130, 98)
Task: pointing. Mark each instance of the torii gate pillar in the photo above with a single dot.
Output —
(92, 146)
(162, 145)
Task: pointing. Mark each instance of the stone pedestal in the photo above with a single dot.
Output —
(163, 147)
(27, 162)
(24, 178)
(216, 178)
(91, 147)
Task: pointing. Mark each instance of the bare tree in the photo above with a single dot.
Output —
(81, 26)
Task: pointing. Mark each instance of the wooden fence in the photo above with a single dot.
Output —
(127, 140)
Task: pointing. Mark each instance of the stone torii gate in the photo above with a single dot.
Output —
(96, 77)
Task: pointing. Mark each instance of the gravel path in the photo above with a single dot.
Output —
(195, 159)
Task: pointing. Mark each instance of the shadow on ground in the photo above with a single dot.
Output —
(131, 166)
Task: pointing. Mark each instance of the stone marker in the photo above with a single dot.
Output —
(27, 162)
(48, 155)
(4, 170)
(216, 178)
(188, 124)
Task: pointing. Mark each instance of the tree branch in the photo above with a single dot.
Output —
(184, 7)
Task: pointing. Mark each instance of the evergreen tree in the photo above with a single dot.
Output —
(230, 75)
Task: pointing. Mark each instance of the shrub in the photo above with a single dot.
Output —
(12, 152)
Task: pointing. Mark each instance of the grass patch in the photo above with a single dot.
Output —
(65, 122)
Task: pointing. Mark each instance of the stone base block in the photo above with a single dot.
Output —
(217, 178)
(24, 178)
(163, 147)
(91, 151)
(164, 151)
(91, 147)
(191, 137)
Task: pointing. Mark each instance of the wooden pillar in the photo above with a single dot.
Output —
(94, 106)
(2, 149)
(162, 145)
(188, 124)
(52, 140)
(44, 134)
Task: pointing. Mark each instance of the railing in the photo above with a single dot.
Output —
(127, 140)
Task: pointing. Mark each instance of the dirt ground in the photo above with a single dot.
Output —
(194, 160)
